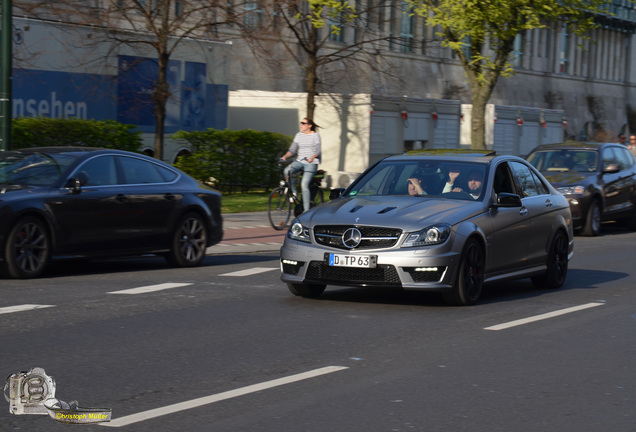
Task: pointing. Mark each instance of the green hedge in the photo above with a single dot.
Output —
(45, 132)
(234, 161)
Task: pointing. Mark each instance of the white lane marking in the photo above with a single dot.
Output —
(252, 271)
(22, 308)
(150, 288)
(194, 403)
(542, 316)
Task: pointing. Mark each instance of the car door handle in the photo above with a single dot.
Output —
(169, 197)
(523, 211)
(121, 198)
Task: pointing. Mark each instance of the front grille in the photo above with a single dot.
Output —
(382, 274)
(426, 276)
(372, 237)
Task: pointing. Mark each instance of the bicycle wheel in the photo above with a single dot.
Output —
(278, 208)
(317, 197)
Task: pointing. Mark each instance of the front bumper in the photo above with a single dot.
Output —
(429, 268)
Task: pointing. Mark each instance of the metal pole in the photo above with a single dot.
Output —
(6, 78)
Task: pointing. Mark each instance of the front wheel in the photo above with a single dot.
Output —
(557, 264)
(278, 208)
(306, 290)
(189, 242)
(592, 226)
(27, 250)
(470, 277)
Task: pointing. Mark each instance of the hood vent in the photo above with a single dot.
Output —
(386, 210)
(355, 209)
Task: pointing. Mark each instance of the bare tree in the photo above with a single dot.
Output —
(319, 34)
(157, 25)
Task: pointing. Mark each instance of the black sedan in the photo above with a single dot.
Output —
(87, 202)
(598, 179)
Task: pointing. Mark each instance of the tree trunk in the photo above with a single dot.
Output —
(160, 98)
(478, 123)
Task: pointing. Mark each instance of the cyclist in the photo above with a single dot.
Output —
(307, 147)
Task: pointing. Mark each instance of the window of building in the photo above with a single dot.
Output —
(407, 28)
(517, 51)
(564, 49)
(253, 15)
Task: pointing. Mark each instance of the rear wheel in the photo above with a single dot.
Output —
(557, 264)
(592, 226)
(306, 290)
(189, 242)
(278, 208)
(470, 277)
(28, 249)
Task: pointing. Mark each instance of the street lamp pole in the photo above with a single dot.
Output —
(6, 75)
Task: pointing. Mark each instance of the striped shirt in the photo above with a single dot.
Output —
(306, 145)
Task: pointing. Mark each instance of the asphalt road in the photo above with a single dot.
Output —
(225, 347)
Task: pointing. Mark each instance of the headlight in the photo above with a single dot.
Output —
(571, 190)
(298, 232)
(435, 234)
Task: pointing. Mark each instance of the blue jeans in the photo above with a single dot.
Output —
(308, 174)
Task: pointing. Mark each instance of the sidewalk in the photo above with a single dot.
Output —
(247, 233)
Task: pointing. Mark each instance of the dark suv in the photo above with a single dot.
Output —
(598, 179)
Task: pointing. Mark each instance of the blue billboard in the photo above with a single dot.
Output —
(193, 104)
(127, 97)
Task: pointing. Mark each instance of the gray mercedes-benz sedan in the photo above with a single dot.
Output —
(444, 223)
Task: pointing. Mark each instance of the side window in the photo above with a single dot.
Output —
(100, 170)
(624, 157)
(608, 157)
(524, 179)
(542, 189)
(137, 171)
(503, 182)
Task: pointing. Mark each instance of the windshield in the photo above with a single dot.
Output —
(565, 160)
(422, 178)
(33, 169)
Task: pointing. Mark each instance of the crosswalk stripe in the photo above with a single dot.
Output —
(22, 308)
(248, 272)
(150, 288)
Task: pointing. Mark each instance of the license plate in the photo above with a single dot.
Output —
(343, 260)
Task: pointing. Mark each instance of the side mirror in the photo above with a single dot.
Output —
(335, 193)
(612, 168)
(505, 199)
(75, 184)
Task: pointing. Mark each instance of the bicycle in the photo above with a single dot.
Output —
(282, 200)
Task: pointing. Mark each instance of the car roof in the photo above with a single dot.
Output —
(456, 155)
(575, 145)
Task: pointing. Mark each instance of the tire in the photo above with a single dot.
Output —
(278, 208)
(557, 264)
(470, 276)
(28, 249)
(306, 290)
(592, 225)
(189, 242)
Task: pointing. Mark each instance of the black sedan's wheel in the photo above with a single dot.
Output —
(592, 225)
(189, 242)
(28, 249)
(306, 290)
(470, 278)
(557, 264)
